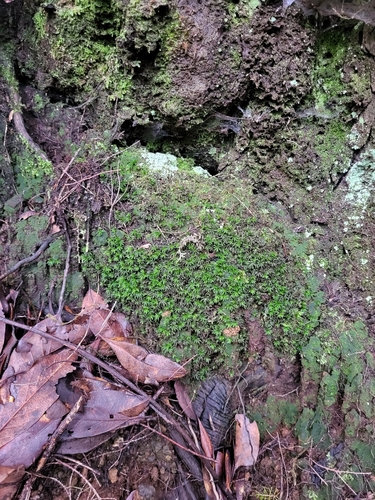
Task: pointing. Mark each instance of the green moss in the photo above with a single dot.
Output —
(273, 414)
(328, 85)
(40, 22)
(333, 149)
(238, 11)
(190, 259)
(7, 64)
(32, 171)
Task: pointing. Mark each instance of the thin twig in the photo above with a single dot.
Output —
(77, 462)
(60, 462)
(285, 470)
(60, 429)
(66, 270)
(32, 257)
(28, 486)
(65, 171)
(339, 472)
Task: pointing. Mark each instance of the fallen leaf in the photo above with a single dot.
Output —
(184, 400)
(109, 325)
(9, 479)
(32, 347)
(105, 411)
(232, 331)
(82, 445)
(32, 439)
(144, 367)
(2, 330)
(92, 300)
(26, 215)
(34, 394)
(247, 442)
(205, 441)
(134, 495)
(220, 463)
(228, 469)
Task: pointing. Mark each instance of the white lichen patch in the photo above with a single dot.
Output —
(361, 181)
(165, 163)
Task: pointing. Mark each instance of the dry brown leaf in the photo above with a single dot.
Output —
(82, 445)
(247, 442)
(213, 493)
(228, 470)
(220, 463)
(105, 411)
(205, 441)
(109, 325)
(31, 440)
(27, 214)
(144, 367)
(9, 479)
(184, 400)
(33, 347)
(34, 394)
(232, 331)
(2, 330)
(92, 300)
(134, 495)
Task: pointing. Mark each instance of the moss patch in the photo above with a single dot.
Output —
(188, 257)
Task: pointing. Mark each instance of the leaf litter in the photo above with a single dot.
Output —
(50, 371)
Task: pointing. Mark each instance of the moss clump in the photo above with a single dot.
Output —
(338, 386)
(333, 149)
(190, 258)
(77, 46)
(328, 85)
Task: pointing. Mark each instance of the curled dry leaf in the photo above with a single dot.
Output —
(184, 400)
(109, 325)
(247, 442)
(220, 463)
(228, 470)
(32, 347)
(144, 367)
(205, 441)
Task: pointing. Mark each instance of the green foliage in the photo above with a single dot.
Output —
(328, 86)
(32, 171)
(7, 64)
(273, 413)
(333, 148)
(40, 21)
(190, 259)
(82, 46)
